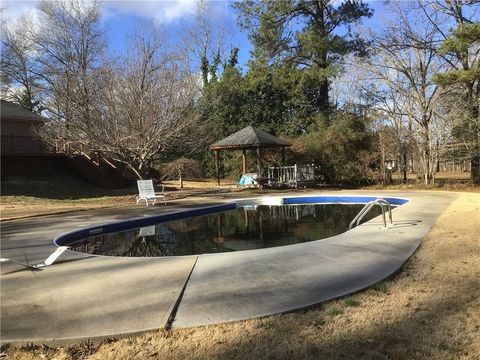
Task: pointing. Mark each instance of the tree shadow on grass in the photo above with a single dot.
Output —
(386, 341)
(58, 187)
(70, 187)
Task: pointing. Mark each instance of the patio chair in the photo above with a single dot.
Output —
(146, 192)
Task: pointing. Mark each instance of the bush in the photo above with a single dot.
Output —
(344, 149)
(181, 169)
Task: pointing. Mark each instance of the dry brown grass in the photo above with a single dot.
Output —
(36, 195)
(200, 184)
(16, 207)
(431, 310)
(451, 175)
(25, 197)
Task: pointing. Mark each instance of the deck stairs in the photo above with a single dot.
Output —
(99, 172)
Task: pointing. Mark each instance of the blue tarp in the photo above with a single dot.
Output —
(248, 179)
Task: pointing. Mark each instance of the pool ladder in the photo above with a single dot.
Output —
(383, 205)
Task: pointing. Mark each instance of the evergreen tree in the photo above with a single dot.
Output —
(313, 36)
(233, 100)
(462, 46)
(343, 149)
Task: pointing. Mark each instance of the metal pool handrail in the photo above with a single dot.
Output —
(380, 202)
(385, 202)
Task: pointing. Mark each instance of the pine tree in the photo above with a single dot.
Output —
(461, 45)
(313, 36)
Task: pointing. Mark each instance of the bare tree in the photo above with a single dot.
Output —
(405, 65)
(154, 114)
(143, 107)
(182, 168)
(204, 42)
(19, 72)
(349, 89)
(457, 26)
(134, 110)
(70, 48)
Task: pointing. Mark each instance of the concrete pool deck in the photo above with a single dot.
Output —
(83, 297)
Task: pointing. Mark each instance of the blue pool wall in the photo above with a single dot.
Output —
(341, 200)
(70, 237)
(73, 236)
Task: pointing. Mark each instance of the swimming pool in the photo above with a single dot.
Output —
(242, 225)
(115, 295)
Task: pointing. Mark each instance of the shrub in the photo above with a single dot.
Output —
(344, 149)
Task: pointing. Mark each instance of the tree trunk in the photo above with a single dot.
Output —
(427, 155)
(428, 176)
(382, 156)
(475, 153)
(475, 173)
(323, 101)
(475, 160)
(217, 167)
(134, 169)
(259, 165)
(244, 161)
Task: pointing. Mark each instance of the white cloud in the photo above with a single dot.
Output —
(13, 10)
(163, 11)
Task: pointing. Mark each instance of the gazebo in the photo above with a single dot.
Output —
(248, 138)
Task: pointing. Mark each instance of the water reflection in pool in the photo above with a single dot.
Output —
(235, 230)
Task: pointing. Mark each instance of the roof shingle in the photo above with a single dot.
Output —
(249, 137)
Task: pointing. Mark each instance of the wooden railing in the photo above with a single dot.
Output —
(99, 172)
(291, 176)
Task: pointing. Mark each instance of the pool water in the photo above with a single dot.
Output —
(235, 230)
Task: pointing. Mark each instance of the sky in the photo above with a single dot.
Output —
(122, 16)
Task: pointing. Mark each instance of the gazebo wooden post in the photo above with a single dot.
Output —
(283, 155)
(244, 161)
(217, 167)
(259, 167)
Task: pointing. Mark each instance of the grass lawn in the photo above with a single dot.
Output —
(24, 197)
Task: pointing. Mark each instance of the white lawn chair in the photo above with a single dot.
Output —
(146, 192)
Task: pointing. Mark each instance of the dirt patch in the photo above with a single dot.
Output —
(430, 310)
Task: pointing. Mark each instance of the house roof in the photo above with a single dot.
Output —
(249, 137)
(11, 111)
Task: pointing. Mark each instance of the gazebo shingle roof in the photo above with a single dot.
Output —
(249, 137)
